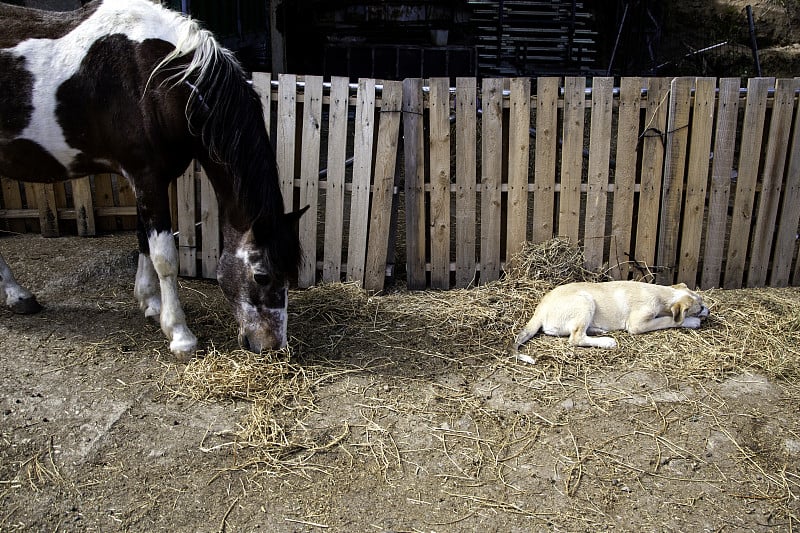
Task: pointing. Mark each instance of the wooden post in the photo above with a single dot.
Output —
(414, 150)
(383, 184)
(334, 192)
(597, 179)
(439, 138)
(491, 177)
(721, 169)
(630, 100)
(466, 173)
(519, 143)
(676, 137)
(309, 178)
(362, 172)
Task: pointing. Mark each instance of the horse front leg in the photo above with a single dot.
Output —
(158, 273)
(17, 298)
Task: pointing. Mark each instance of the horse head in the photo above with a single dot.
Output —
(254, 273)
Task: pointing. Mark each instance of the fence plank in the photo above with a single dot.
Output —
(187, 242)
(780, 130)
(287, 118)
(209, 227)
(104, 197)
(466, 174)
(696, 179)
(414, 150)
(84, 206)
(335, 178)
(362, 170)
(630, 99)
(572, 158)
(594, 232)
(439, 142)
(790, 216)
(48, 211)
(749, 158)
(676, 138)
(519, 142)
(491, 176)
(652, 161)
(262, 82)
(309, 179)
(719, 194)
(383, 185)
(126, 196)
(544, 161)
(12, 200)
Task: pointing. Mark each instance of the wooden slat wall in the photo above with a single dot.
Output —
(687, 179)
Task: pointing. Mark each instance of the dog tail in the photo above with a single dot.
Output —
(531, 328)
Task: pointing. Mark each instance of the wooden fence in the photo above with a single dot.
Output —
(696, 180)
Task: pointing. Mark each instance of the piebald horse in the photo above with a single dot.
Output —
(129, 87)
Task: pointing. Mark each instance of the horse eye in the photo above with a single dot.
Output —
(261, 279)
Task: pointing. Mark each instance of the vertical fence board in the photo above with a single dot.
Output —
(414, 150)
(544, 161)
(209, 227)
(780, 130)
(466, 174)
(262, 82)
(652, 143)
(104, 197)
(287, 117)
(696, 180)
(127, 196)
(84, 206)
(630, 99)
(362, 170)
(12, 200)
(334, 192)
(572, 158)
(597, 179)
(719, 193)
(187, 245)
(383, 185)
(491, 176)
(749, 158)
(439, 142)
(48, 211)
(790, 216)
(309, 178)
(519, 141)
(676, 139)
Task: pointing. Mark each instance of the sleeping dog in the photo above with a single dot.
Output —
(579, 310)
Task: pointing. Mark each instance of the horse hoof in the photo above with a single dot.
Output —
(26, 306)
(183, 346)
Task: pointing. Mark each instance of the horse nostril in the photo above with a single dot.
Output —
(244, 342)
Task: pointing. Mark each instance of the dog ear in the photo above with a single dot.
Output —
(680, 286)
(679, 310)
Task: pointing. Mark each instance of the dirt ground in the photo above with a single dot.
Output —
(101, 429)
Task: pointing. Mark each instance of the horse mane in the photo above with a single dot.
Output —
(225, 111)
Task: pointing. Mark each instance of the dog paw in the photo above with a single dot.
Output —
(607, 343)
(692, 322)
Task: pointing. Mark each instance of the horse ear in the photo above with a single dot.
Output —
(294, 216)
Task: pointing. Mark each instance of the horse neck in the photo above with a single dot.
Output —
(234, 212)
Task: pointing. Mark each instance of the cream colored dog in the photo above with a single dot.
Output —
(578, 310)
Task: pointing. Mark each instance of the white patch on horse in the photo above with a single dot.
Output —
(13, 292)
(146, 287)
(164, 257)
(54, 61)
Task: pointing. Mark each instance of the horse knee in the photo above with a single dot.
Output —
(164, 254)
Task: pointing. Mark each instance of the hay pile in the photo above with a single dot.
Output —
(339, 328)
